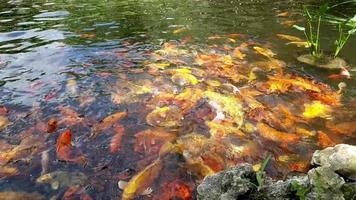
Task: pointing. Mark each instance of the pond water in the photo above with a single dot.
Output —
(142, 99)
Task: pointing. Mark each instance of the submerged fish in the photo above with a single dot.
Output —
(10, 195)
(44, 161)
(59, 179)
(4, 122)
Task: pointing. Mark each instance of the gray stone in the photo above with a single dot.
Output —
(231, 184)
(349, 190)
(341, 159)
(323, 62)
(323, 182)
(325, 178)
(282, 190)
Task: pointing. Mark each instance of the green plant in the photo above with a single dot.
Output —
(260, 175)
(346, 28)
(312, 32)
(344, 35)
(301, 190)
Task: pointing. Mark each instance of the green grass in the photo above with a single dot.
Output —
(314, 19)
(260, 175)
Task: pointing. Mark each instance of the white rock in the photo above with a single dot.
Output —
(341, 159)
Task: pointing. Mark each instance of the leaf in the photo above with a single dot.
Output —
(337, 76)
(272, 134)
(215, 37)
(251, 76)
(69, 117)
(169, 147)
(170, 49)
(327, 97)
(150, 141)
(265, 52)
(283, 14)
(180, 30)
(299, 28)
(4, 122)
(290, 38)
(123, 96)
(169, 117)
(29, 146)
(158, 65)
(226, 104)
(122, 184)
(316, 109)
(199, 168)
(324, 140)
(352, 31)
(75, 192)
(184, 79)
(231, 40)
(304, 132)
(288, 23)
(188, 98)
(3, 110)
(344, 128)
(283, 83)
(64, 148)
(260, 175)
(285, 159)
(10, 195)
(302, 166)
(62, 179)
(270, 64)
(64, 145)
(211, 59)
(301, 190)
(6, 171)
(139, 89)
(88, 36)
(213, 83)
(214, 161)
(176, 189)
(343, 74)
(142, 180)
(72, 87)
(224, 128)
(236, 35)
(107, 122)
(193, 143)
(278, 86)
(300, 44)
(116, 139)
(52, 125)
(237, 53)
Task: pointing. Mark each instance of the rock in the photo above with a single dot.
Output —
(231, 184)
(324, 62)
(349, 190)
(341, 159)
(325, 184)
(281, 190)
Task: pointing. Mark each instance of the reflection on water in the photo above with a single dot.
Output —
(78, 62)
